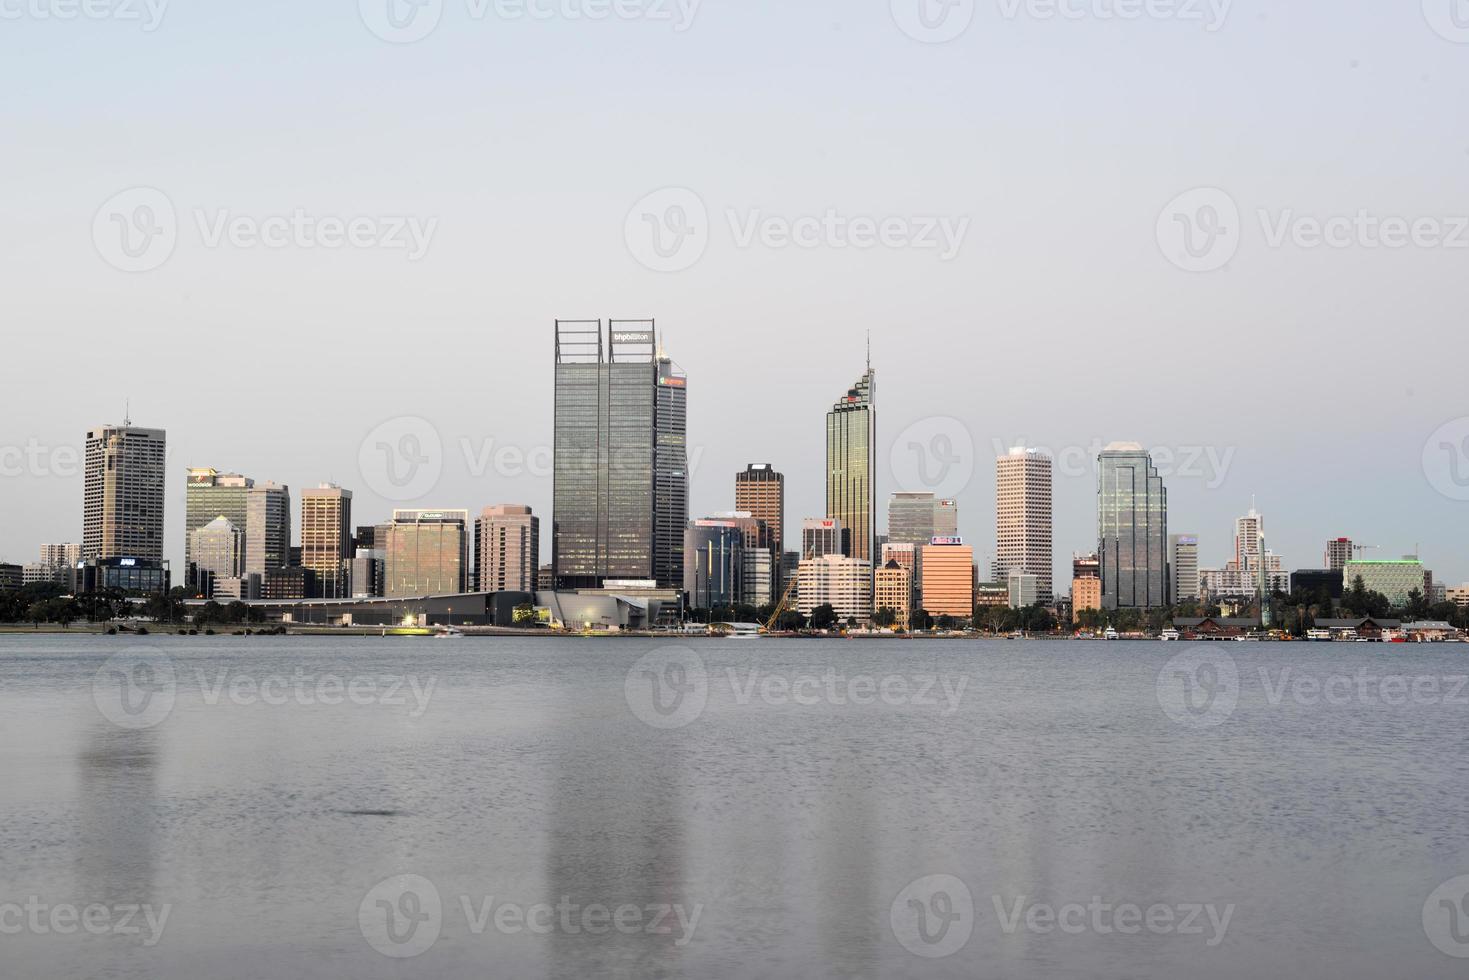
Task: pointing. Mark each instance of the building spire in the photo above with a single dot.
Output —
(127, 412)
(869, 352)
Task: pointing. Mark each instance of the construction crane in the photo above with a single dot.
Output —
(784, 604)
(1360, 549)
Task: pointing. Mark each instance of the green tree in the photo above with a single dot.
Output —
(886, 617)
(823, 617)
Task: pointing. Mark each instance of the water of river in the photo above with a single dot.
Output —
(298, 807)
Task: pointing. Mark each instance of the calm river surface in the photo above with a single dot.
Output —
(292, 807)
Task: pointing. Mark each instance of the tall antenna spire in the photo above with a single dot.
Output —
(127, 412)
(869, 350)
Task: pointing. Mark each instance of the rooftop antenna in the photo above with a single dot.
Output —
(869, 350)
(127, 412)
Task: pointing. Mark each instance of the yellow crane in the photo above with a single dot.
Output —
(784, 604)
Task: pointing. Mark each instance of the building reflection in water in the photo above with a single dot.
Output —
(117, 770)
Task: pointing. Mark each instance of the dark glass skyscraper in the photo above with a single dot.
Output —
(620, 501)
(851, 443)
(1132, 529)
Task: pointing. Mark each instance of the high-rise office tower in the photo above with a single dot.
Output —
(1183, 566)
(1338, 553)
(761, 492)
(946, 567)
(267, 528)
(946, 518)
(911, 518)
(713, 563)
(122, 496)
(620, 495)
(1132, 529)
(851, 471)
(821, 536)
(425, 553)
(757, 581)
(326, 538)
(210, 494)
(507, 549)
(1023, 518)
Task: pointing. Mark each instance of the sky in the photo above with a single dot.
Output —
(293, 234)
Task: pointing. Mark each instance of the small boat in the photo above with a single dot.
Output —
(1169, 635)
(449, 633)
(1110, 634)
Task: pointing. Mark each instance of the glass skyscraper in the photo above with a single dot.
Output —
(620, 500)
(211, 494)
(1132, 529)
(851, 441)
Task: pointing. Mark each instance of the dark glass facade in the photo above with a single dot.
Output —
(1132, 530)
(620, 501)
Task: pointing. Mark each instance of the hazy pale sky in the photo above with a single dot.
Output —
(1063, 226)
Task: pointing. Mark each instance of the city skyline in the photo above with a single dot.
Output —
(1215, 550)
